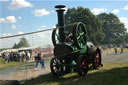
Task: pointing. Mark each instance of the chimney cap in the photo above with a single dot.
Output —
(60, 6)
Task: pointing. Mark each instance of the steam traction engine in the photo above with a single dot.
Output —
(72, 51)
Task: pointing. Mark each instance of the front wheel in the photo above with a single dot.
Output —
(82, 65)
(55, 66)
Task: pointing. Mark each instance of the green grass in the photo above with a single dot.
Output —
(126, 49)
(4, 65)
(112, 74)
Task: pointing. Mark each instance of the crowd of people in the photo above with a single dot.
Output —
(23, 56)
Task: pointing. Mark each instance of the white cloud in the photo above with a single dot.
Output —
(66, 9)
(4, 0)
(2, 20)
(97, 11)
(41, 27)
(54, 27)
(115, 11)
(38, 29)
(6, 34)
(41, 39)
(16, 4)
(43, 35)
(19, 17)
(125, 21)
(126, 7)
(20, 33)
(41, 12)
(9, 19)
(13, 26)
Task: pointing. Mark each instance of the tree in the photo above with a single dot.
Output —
(126, 37)
(15, 46)
(23, 43)
(113, 29)
(92, 24)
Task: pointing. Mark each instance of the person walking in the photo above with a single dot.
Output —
(28, 54)
(38, 60)
(42, 61)
(121, 49)
(115, 49)
(8, 56)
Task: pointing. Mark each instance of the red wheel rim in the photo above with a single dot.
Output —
(97, 59)
(83, 66)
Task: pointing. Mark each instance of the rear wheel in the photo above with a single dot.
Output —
(97, 59)
(82, 65)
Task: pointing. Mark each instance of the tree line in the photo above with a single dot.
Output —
(102, 29)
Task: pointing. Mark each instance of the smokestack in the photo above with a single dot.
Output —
(60, 13)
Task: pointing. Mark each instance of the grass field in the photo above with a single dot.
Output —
(112, 74)
(4, 65)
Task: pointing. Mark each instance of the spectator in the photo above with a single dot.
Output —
(28, 56)
(115, 49)
(42, 61)
(3, 56)
(23, 56)
(38, 60)
(8, 56)
(121, 49)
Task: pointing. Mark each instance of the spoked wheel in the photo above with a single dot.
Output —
(55, 37)
(79, 35)
(56, 66)
(82, 65)
(97, 59)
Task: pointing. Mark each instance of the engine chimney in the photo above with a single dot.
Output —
(60, 12)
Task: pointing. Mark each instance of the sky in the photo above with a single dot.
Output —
(23, 16)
